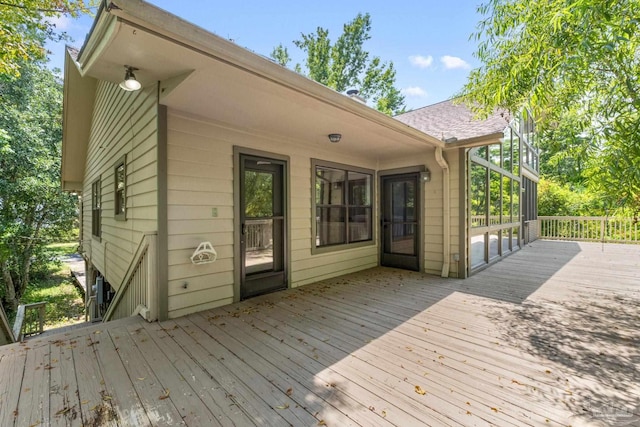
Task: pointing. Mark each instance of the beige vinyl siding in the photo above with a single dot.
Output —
(123, 123)
(200, 178)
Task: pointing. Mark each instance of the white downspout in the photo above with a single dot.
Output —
(446, 212)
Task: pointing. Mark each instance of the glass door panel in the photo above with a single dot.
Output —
(400, 225)
(262, 226)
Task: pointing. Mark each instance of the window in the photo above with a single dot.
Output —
(478, 196)
(342, 204)
(494, 197)
(120, 191)
(96, 203)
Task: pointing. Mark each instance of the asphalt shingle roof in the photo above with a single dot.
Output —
(446, 120)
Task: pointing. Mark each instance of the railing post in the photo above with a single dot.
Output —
(602, 228)
(41, 314)
(152, 277)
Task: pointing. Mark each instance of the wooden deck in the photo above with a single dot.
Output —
(549, 336)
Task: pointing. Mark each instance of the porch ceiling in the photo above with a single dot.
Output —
(230, 85)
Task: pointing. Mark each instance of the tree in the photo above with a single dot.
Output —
(562, 200)
(573, 63)
(33, 209)
(346, 65)
(27, 25)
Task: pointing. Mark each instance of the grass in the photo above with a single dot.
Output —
(65, 304)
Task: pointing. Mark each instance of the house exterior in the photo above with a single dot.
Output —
(226, 148)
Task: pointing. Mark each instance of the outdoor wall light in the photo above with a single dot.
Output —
(335, 137)
(130, 83)
(426, 175)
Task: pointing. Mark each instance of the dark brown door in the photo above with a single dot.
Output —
(400, 221)
(262, 225)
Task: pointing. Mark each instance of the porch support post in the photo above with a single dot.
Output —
(446, 212)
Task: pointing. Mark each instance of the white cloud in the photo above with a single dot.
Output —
(453, 62)
(421, 61)
(61, 22)
(415, 91)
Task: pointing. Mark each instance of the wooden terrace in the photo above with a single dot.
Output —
(549, 336)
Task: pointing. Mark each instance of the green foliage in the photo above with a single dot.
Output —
(345, 64)
(576, 65)
(562, 200)
(258, 190)
(27, 25)
(33, 209)
(54, 284)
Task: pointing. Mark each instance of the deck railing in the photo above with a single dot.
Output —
(259, 234)
(138, 292)
(590, 228)
(29, 320)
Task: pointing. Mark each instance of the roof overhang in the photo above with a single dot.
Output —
(494, 138)
(207, 76)
(78, 98)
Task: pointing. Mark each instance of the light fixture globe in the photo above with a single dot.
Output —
(335, 137)
(130, 83)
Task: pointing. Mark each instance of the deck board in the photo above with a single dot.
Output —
(118, 384)
(34, 399)
(13, 366)
(547, 336)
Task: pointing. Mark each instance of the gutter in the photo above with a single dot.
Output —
(477, 141)
(446, 211)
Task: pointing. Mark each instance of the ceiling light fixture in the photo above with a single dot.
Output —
(130, 83)
(335, 137)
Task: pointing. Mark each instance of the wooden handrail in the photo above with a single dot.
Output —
(6, 336)
(19, 324)
(590, 228)
(147, 246)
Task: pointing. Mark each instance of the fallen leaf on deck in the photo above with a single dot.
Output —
(84, 402)
(165, 395)
(384, 413)
(285, 406)
(548, 371)
(141, 379)
(62, 411)
(420, 391)
(289, 391)
(322, 423)
(516, 382)
(494, 409)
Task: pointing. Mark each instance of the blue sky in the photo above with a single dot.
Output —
(428, 41)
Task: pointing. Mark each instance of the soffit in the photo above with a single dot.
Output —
(227, 92)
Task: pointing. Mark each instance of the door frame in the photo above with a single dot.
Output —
(237, 254)
(420, 169)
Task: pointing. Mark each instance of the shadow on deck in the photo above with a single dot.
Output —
(547, 336)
